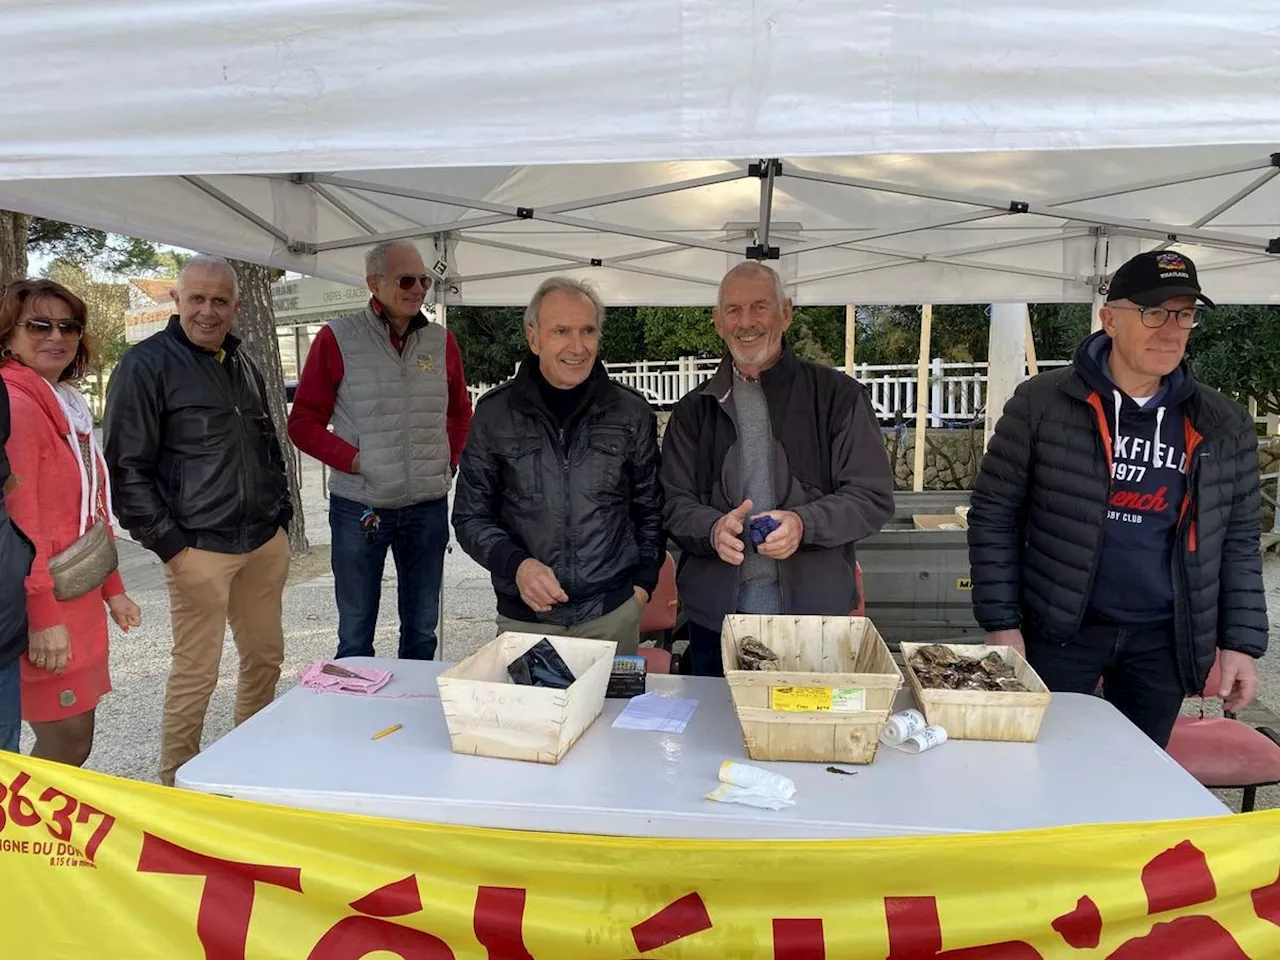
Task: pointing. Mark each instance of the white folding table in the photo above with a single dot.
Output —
(315, 750)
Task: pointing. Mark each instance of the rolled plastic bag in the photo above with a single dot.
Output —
(753, 786)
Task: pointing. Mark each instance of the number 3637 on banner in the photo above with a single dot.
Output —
(96, 867)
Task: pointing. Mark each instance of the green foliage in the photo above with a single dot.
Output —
(960, 332)
(1237, 350)
(1059, 328)
(623, 340)
(105, 305)
(671, 332)
(817, 334)
(491, 340)
(169, 262)
(90, 248)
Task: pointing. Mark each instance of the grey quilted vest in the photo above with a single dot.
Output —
(393, 408)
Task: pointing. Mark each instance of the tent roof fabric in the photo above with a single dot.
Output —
(977, 152)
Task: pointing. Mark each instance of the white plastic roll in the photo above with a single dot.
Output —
(902, 726)
(926, 739)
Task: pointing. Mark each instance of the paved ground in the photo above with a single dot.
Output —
(129, 719)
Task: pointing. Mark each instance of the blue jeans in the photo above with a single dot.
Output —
(703, 658)
(11, 705)
(417, 536)
(1137, 664)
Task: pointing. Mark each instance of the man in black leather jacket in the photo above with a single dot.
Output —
(198, 477)
(558, 494)
(16, 554)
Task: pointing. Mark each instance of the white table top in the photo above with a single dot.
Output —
(315, 750)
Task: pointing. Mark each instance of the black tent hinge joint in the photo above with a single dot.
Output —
(597, 262)
(761, 252)
(524, 213)
(1019, 206)
(1275, 159)
(762, 168)
(1273, 246)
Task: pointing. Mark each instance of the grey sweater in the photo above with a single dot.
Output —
(760, 590)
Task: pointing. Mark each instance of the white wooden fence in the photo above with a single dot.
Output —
(956, 390)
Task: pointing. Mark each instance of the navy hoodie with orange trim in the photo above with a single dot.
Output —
(1147, 451)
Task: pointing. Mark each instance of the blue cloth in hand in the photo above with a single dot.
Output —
(761, 527)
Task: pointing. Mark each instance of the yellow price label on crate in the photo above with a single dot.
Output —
(810, 699)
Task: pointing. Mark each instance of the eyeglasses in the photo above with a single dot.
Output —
(408, 281)
(1157, 317)
(43, 327)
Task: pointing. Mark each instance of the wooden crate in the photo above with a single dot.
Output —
(939, 521)
(819, 654)
(490, 716)
(979, 714)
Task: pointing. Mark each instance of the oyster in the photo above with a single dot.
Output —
(939, 667)
(936, 653)
(994, 665)
(754, 655)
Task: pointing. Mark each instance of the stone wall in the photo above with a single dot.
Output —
(1269, 459)
(951, 458)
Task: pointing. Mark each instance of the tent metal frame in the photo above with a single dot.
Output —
(767, 241)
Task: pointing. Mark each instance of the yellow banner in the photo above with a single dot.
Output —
(96, 867)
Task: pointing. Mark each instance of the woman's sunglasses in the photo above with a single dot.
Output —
(408, 281)
(41, 327)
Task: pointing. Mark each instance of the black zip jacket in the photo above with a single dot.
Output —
(194, 456)
(583, 497)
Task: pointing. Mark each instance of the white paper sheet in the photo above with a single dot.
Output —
(649, 711)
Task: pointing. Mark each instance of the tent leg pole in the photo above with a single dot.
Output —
(922, 395)
(1099, 277)
(850, 336)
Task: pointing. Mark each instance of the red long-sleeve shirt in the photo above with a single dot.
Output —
(318, 391)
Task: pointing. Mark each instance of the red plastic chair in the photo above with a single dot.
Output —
(1224, 752)
(660, 616)
(660, 612)
(656, 659)
(861, 609)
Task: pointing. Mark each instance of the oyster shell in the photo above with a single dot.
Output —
(754, 655)
(940, 667)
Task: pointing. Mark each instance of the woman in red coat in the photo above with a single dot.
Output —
(61, 491)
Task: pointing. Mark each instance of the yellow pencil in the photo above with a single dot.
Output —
(387, 732)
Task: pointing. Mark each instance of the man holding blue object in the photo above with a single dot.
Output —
(772, 470)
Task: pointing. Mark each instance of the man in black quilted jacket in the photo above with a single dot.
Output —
(1115, 521)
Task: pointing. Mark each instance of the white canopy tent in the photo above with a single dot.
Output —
(886, 152)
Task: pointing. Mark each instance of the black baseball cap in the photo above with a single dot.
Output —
(1151, 278)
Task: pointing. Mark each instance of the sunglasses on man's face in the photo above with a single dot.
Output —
(410, 280)
(43, 327)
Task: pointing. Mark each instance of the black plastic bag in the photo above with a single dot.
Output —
(541, 666)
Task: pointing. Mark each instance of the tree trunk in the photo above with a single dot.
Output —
(256, 327)
(13, 246)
